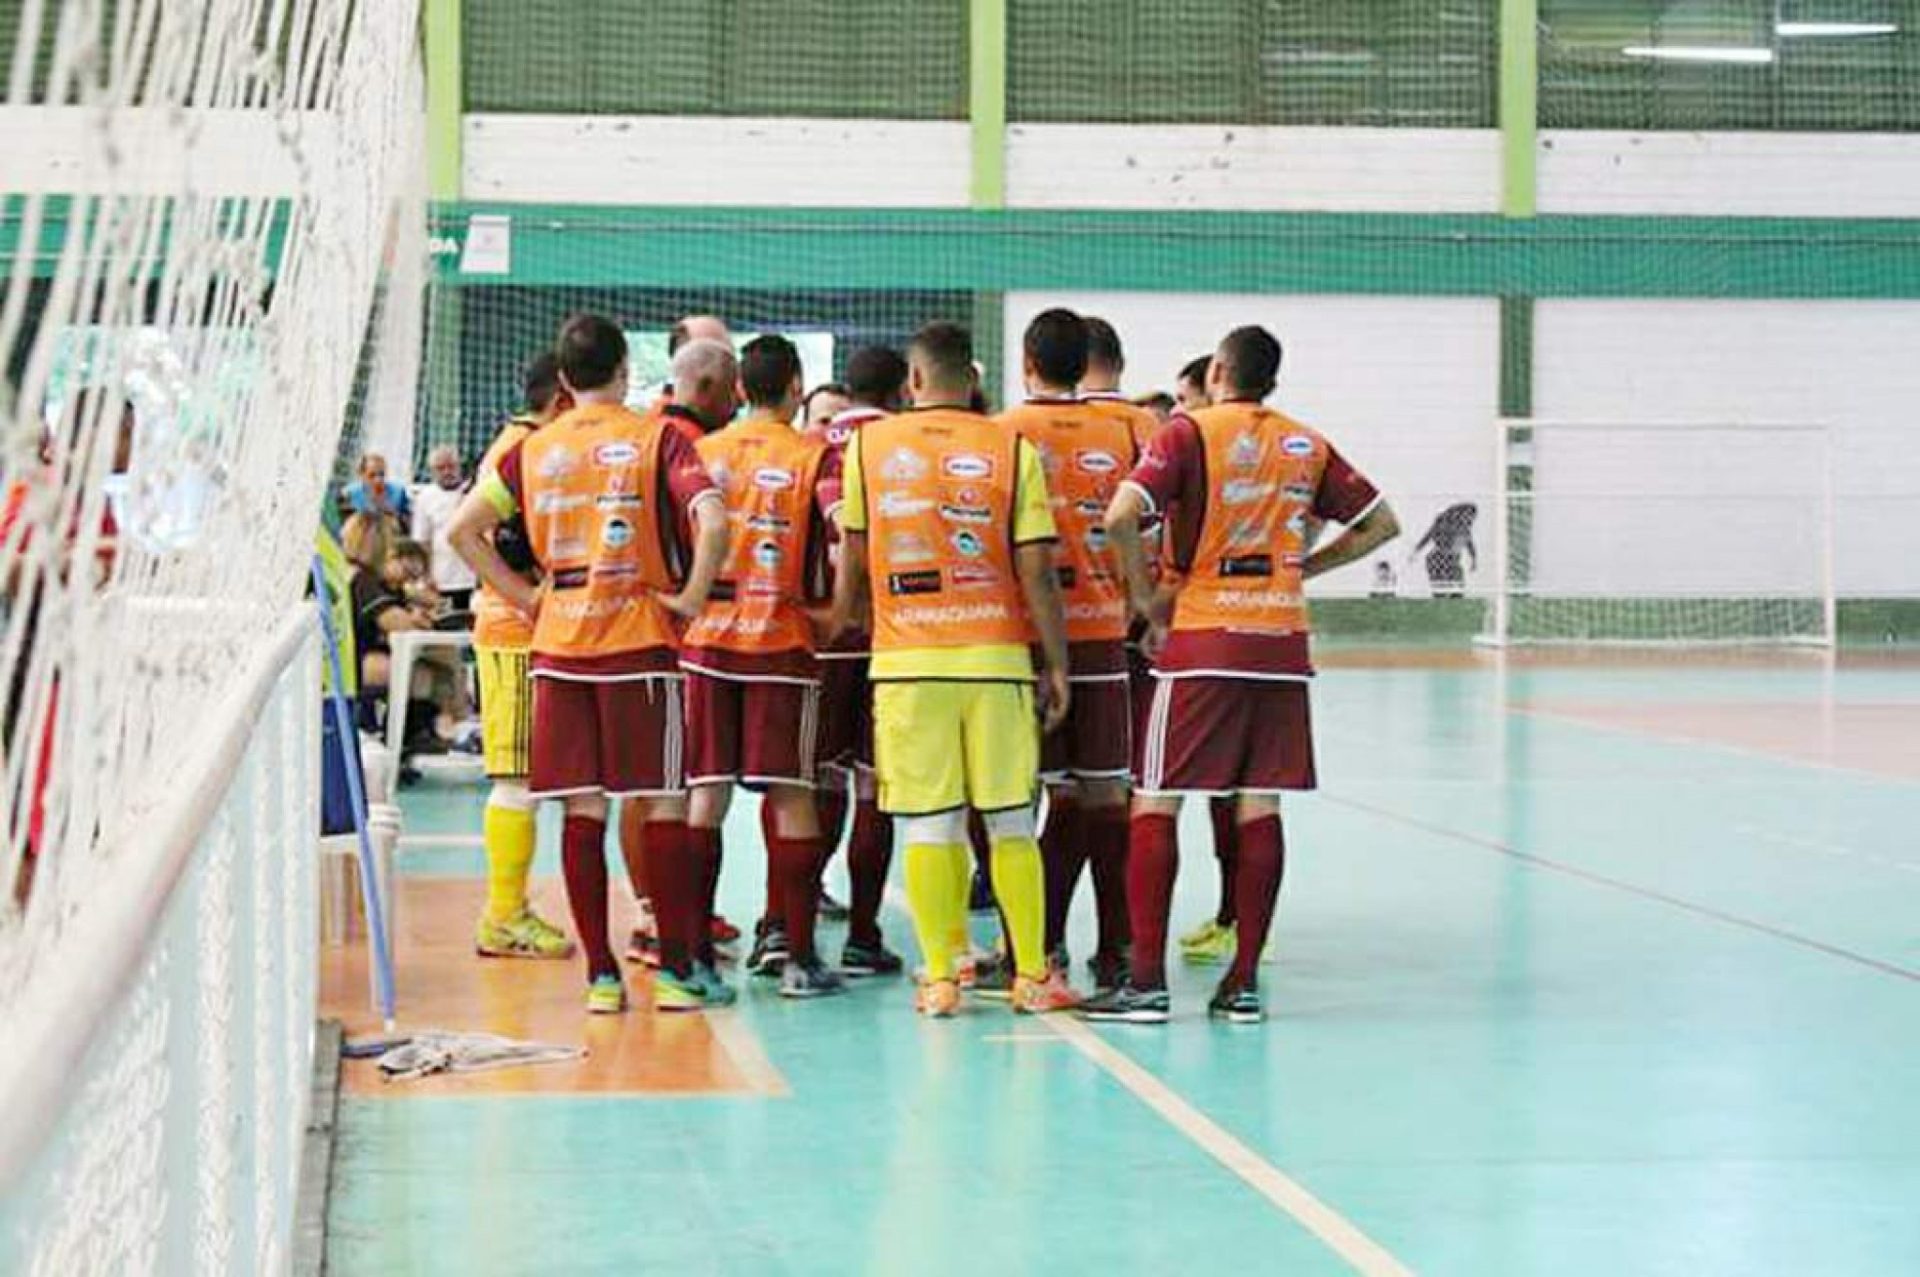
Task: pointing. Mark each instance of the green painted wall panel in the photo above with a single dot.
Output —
(1553, 256)
(896, 59)
(1419, 63)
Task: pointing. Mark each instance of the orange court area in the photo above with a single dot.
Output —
(443, 985)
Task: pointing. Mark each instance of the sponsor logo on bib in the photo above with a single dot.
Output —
(617, 453)
(617, 534)
(1297, 446)
(1095, 461)
(903, 465)
(966, 465)
(968, 543)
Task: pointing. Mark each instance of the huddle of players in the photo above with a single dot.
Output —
(984, 576)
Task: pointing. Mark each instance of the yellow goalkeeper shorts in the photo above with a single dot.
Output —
(506, 709)
(938, 746)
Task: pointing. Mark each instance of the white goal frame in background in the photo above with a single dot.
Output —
(1515, 456)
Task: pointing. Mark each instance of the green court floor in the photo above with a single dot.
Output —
(1552, 996)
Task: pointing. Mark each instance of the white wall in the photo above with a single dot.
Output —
(638, 159)
(76, 150)
(1244, 167)
(1730, 174)
(1406, 387)
(1852, 365)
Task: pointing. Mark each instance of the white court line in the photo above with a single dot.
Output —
(1337, 1232)
(1824, 848)
(410, 841)
(742, 1045)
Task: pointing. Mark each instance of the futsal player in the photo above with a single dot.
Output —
(703, 397)
(753, 685)
(1230, 708)
(502, 638)
(876, 387)
(954, 701)
(1085, 450)
(613, 501)
(1100, 389)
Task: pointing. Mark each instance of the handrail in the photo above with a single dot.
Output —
(37, 1078)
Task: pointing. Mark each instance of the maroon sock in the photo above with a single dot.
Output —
(675, 874)
(1225, 814)
(1256, 887)
(1105, 831)
(774, 909)
(869, 857)
(831, 803)
(797, 863)
(583, 861)
(1153, 858)
(1063, 854)
(633, 851)
(706, 849)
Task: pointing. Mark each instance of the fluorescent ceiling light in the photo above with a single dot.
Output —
(1836, 28)
(1699, 53)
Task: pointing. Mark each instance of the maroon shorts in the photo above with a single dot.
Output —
(1226, 735)
(1096, 741)
(1139, 688)
(846, 712)
(751, 733)
(623, 738)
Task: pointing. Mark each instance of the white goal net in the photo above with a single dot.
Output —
(209, 217)
(1676, 533)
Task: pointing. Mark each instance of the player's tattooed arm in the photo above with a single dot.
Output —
(1125, 515)
(1366, 534)
(849, 586)
(1040, 584)
(470, 535)
(710, 540)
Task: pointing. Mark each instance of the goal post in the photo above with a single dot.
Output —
(1662, 533)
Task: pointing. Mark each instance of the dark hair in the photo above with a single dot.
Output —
(876, 376)
(1103, 344)
(590, 350)
(541, 381)
(769, 366)
(1056, 346)
(947, 348)
(1252, 356)
(677, 336)
(1157, 400)
(403, 548)
(824, 388)
(977, 401)
(1195, 371)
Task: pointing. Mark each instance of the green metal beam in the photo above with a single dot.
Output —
(445, 97)
(1519, 106)
(1488, 255)
(987, 100)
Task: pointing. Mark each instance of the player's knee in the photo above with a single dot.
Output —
(942, 829)
(587, 806)
(510, 795)
(1003, 826)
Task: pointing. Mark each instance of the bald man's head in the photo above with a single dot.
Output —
(697, 328)
(706, 379)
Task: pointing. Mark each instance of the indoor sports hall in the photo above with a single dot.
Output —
(1597, 945)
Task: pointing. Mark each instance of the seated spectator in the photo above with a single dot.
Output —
(373, 493)
(433, 507)
(391, 593)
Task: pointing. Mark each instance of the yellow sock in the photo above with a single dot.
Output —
(929, 875)
(509, 836)
(960, 879)
(1021, 887)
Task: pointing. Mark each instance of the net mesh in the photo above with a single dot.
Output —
(1680, 533)
(212, 241)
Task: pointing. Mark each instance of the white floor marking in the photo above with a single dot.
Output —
(420, 841)
(1338, 1233)
(1822, 847)
(742, 1045)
